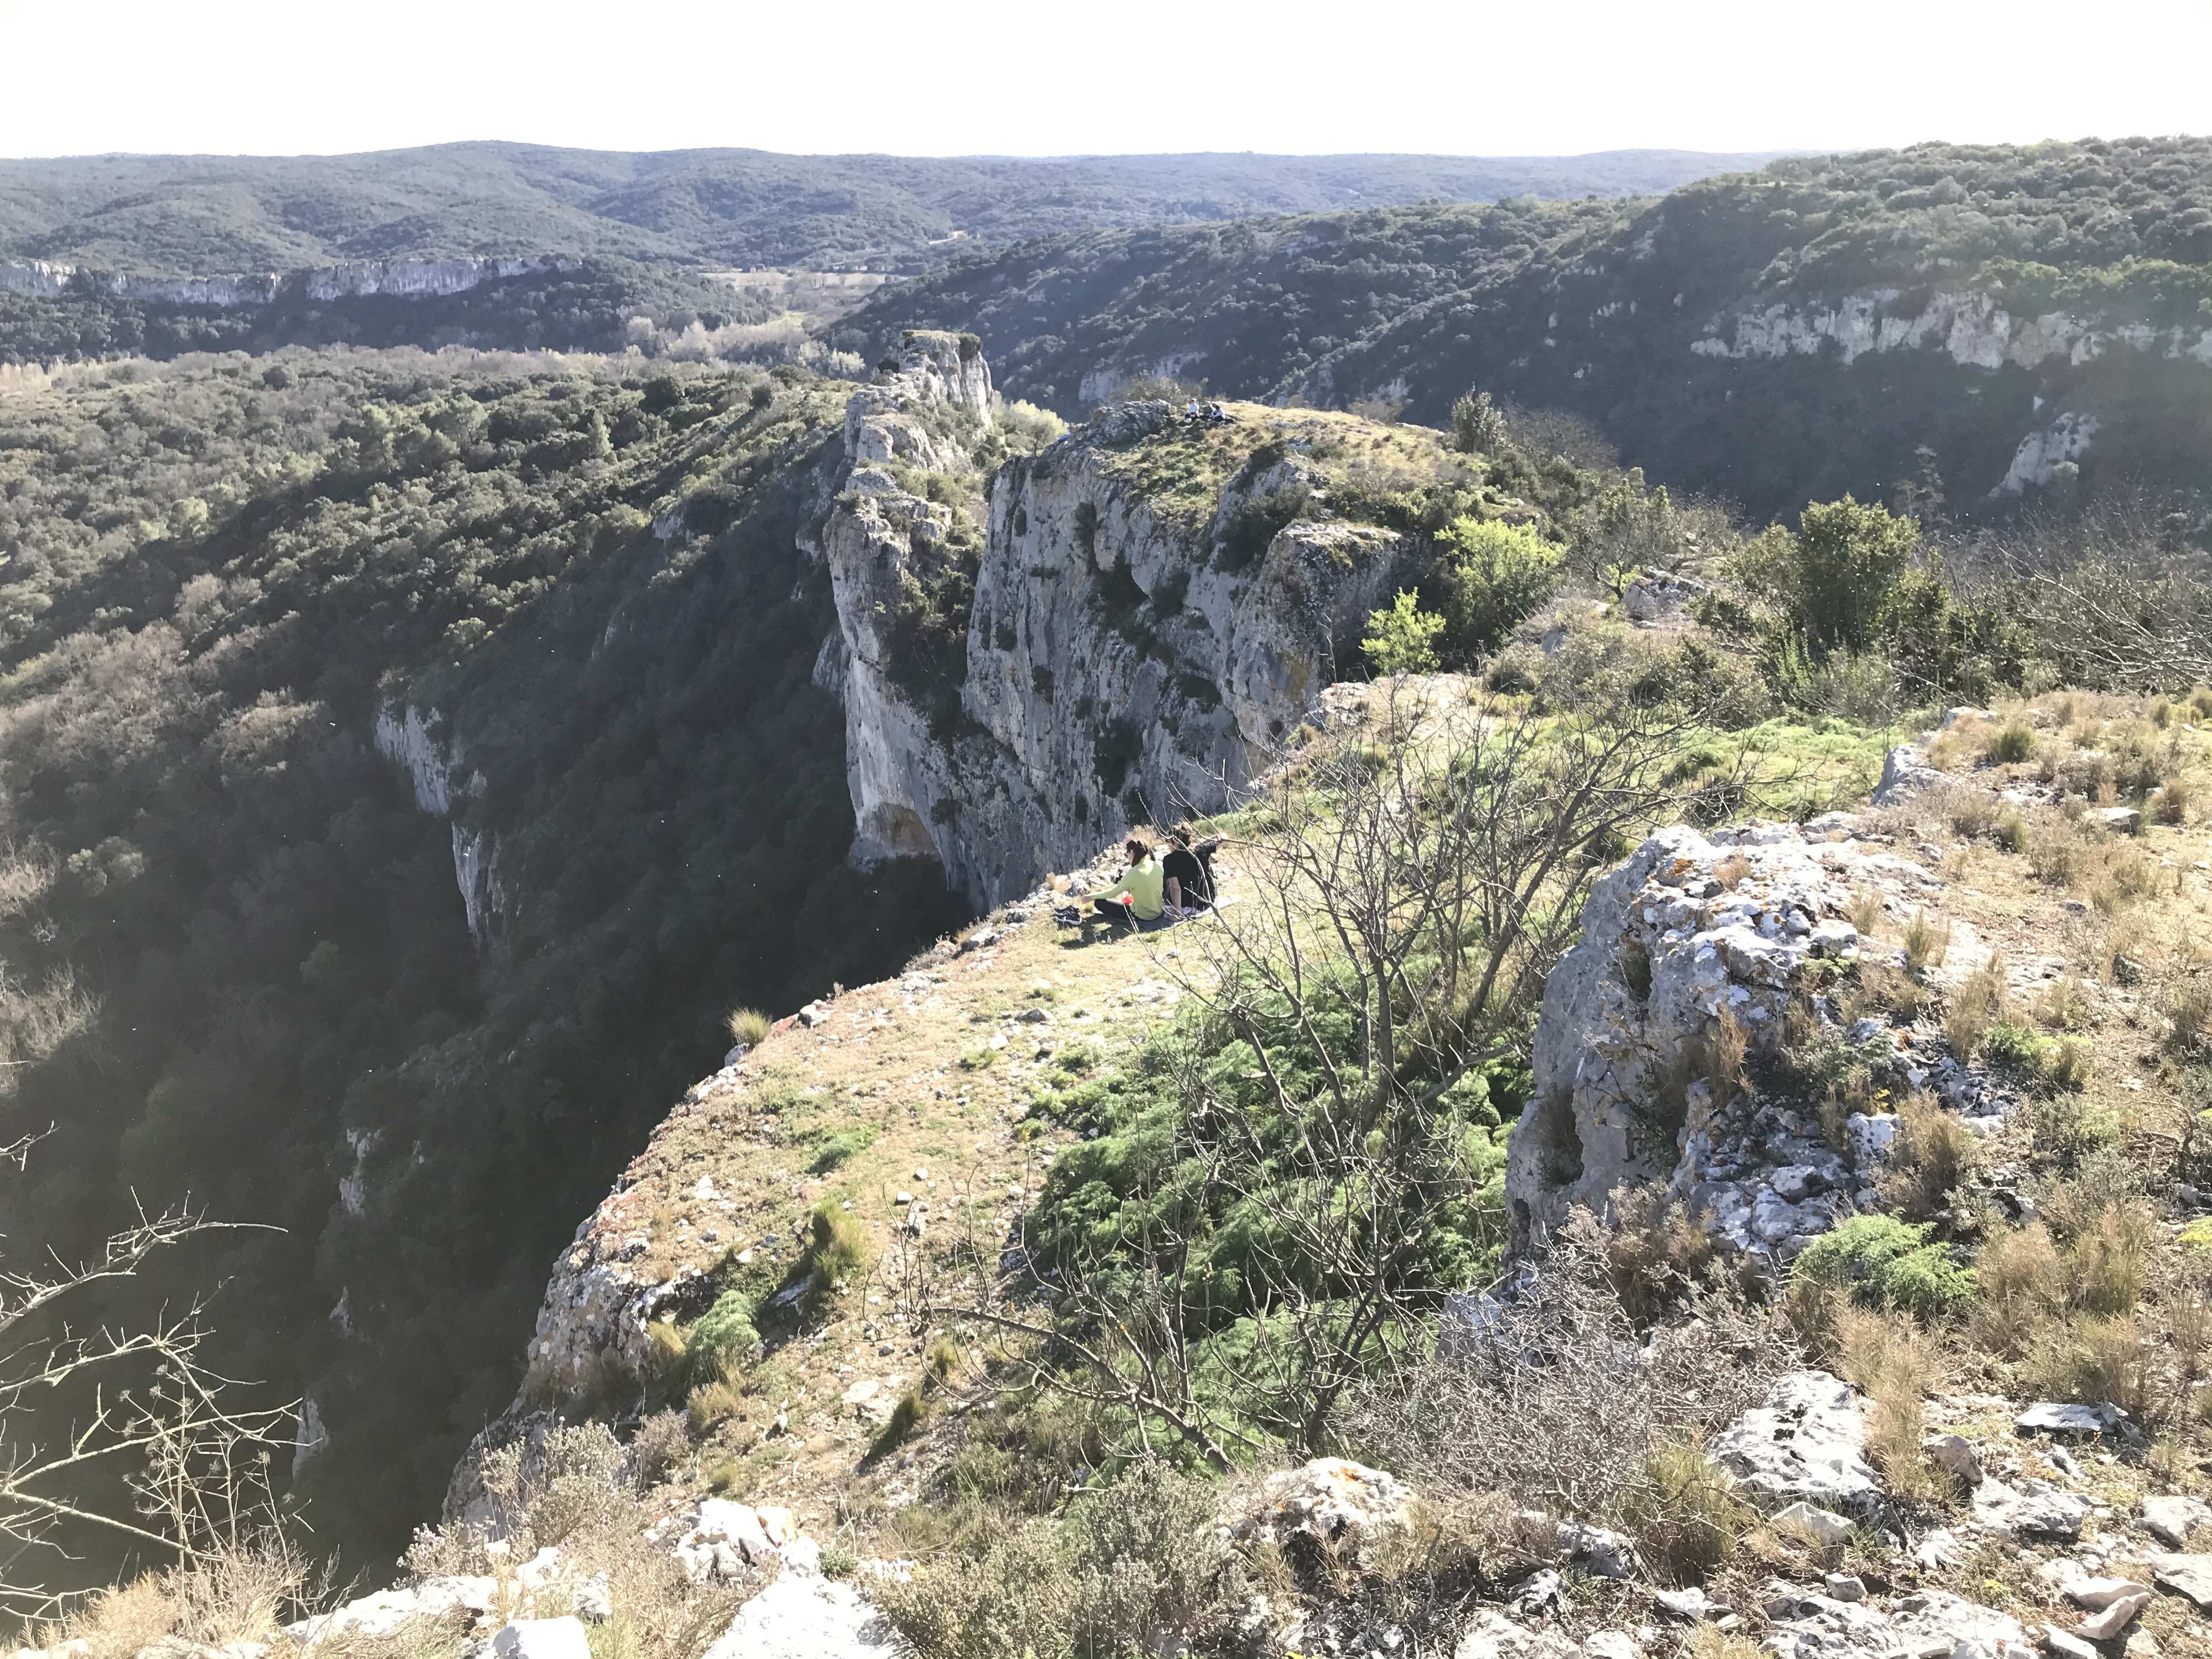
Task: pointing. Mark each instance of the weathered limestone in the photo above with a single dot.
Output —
(1117, 671)
(1807, 1443)
(1691, 927)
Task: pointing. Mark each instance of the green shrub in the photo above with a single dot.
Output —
(749, 1026)
(1402, 640)
(842, 1148)
(1885, 1262)
(724, 1333)
(835, 1247)
(1488, 576)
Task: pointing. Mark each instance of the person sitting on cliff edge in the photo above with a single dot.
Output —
(1189, 870)
(1138, 896)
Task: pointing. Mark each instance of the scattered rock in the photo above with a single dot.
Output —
(593, 1604)
(1605, 1555)
(1952, 1453)
(1928, 1625)
(1537, 1592)
(2034, 1509)
(1937, 1549)
(1845, 1587)
(2185, 1575)
(542, 1638)
(1808, 1442)
(2171, 1519)
(2066, 1644)
(2097, 1593)
(2117, 1615)
(2120, 820)
(1691, 1604)
(1611, 1644)
(1816, 1526)
(2056, 1417)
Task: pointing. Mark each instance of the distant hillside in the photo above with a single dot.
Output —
(197, 215)
(1775, 336)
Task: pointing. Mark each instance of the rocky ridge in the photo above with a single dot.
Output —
(1118, 670)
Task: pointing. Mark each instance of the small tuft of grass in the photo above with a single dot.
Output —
(1682, 1513)
(1926, 943)
(2014, 742)
(749, 1026)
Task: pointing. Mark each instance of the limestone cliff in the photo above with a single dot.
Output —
(355, 279)
(1121, 664)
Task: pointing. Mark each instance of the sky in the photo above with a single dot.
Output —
(989, 76)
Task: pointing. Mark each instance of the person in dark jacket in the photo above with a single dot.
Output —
(1188, 868)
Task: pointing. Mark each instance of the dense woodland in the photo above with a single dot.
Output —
(236, 964)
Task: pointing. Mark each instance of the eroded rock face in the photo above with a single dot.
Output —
(1121, 666)
(1688, 929)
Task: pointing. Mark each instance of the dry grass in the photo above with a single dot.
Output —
(1976, 1004)
(1889, 1359)
(1927, 942)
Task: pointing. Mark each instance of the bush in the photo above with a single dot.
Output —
(1401, 640)
(835, 1247)
(2019, 1282)
(1976, 1002)
(1887, 1263)
(1487, 577)
(723, 1336)
(1141, 1560)
(1926, 943)
(749, 1026)
(842, 1148)
(2014, 742)
(1885, 1359)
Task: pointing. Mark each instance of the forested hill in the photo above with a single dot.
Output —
(196, 215)
(242, 960)
(1771, 335)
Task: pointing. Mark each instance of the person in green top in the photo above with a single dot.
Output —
(1137, 896)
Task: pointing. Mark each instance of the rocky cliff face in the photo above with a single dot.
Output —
(1119, 667)
(407, 737)
(355, 279)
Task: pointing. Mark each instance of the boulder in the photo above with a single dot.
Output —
(1329, 1499)
(2066, 1644)
(1807, 1443)
(542, 1638)
(803, 1616)
(1905, 772)
(2171, 1519)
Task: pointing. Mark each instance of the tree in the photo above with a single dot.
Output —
(1402, 640)
(1479, 426)
(1849, 558)
(149, 1420)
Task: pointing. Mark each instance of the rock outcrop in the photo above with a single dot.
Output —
(1693, 929)
(1121, 665)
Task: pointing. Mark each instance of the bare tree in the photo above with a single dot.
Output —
(145, 1418)
(2113, 595)
(1418, 875)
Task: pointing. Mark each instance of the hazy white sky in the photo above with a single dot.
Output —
(1049, 77)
